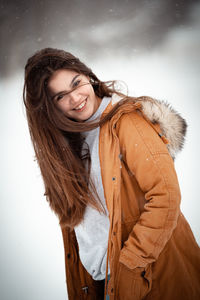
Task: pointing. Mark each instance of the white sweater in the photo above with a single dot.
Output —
(92, 232)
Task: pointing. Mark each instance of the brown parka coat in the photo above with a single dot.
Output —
(152, 252)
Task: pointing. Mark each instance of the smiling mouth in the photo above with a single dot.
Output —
(81, 106)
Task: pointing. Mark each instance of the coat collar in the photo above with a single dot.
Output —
(172, 125)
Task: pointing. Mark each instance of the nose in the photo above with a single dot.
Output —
(75, 97)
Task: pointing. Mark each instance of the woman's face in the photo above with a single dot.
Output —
(73, 94)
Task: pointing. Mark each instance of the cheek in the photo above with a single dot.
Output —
(63, 106)
(89, 90)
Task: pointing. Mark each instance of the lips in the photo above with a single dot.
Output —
(81, 106)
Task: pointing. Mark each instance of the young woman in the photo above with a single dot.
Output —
(107, 165)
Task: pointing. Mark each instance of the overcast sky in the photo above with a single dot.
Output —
(153, 46)
(89, 28)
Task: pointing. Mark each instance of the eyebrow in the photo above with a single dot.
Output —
(62, 92)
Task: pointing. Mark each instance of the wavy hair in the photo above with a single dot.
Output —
(57, 140)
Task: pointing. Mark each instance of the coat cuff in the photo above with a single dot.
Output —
(132, 261)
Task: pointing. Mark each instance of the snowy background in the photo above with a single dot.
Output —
(153, 46)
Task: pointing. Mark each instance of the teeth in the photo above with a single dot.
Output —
(81, 105)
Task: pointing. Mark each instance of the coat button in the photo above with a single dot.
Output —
(68, 255)
(85, 289)
(113, 178)
(120, 156)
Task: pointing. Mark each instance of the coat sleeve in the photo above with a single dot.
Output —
(148, 159)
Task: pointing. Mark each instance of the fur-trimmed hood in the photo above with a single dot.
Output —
(172, 125)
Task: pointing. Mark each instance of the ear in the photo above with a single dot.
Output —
(93, 82)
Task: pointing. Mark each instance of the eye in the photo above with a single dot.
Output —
(76, 83)
(59, 97)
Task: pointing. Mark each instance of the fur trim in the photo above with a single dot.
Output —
(172, 125)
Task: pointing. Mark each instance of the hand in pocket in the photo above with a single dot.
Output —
(133, 284)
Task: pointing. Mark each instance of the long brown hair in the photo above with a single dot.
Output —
(57, 140)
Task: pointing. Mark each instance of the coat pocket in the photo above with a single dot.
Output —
(133, 284)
